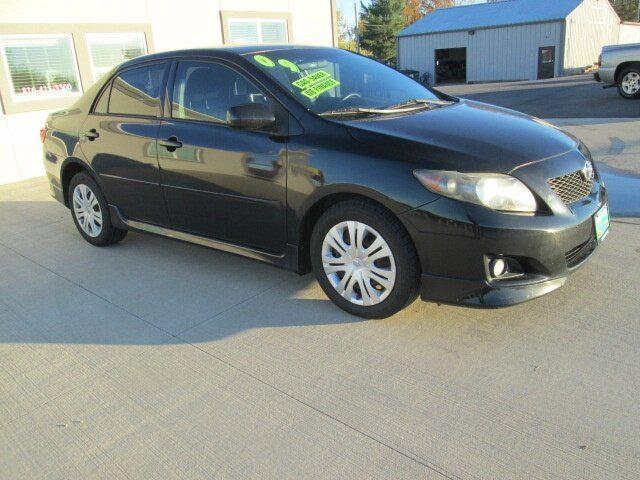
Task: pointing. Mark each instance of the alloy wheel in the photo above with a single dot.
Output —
(631, 83)
(358, 263)
(87, 210)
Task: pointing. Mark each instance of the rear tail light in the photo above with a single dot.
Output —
(43, 134)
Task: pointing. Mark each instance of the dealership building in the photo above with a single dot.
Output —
(51, 52)
(511, 40)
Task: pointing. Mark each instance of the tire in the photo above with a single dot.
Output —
(95, 224)
(629, 82)
(400, 269)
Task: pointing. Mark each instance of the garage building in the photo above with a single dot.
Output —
(508, 40)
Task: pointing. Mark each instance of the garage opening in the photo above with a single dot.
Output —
(451, 65)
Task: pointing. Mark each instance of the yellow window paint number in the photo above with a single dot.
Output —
(283, 62)
(262, 60)
(315, 84)
(320, 87)
(289, 64)
(310, 85)
(308, 80)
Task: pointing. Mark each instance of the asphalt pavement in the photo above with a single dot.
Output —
(566, 97)
(159, 359)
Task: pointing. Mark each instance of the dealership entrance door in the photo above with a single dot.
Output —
(451, 65)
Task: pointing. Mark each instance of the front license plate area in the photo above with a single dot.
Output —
(601, 222)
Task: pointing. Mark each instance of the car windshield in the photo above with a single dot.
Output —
(328, 81)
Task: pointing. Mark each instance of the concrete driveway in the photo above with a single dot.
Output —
(158, 359)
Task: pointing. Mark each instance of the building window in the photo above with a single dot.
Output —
(249, 30)
(40, 66)
(110, 49)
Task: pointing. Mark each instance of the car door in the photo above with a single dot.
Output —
(118, 139)
(218, 181)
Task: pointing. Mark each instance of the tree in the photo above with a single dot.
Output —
(627, 9)
(416, 9)
(346, 34)
(381, 21)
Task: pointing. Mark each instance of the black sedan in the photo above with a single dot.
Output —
(317, 158)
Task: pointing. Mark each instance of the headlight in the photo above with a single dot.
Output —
(493, 190)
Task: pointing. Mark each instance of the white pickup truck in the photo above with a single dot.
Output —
(619, 66)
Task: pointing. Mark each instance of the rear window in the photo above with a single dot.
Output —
(137, 91)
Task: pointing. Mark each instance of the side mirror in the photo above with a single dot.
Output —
(251, 116)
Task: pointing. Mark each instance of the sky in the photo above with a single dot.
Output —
(346, 7)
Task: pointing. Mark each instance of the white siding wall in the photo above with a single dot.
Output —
(629, 33)
(505, 53)
(174, 25)
(590, 26)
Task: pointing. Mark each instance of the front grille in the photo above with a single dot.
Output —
(571, 187)
(578, 254)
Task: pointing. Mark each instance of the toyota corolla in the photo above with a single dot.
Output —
(314, 158)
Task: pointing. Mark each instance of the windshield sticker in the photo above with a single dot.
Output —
(320, 87)
(262, 60)
(315, 84)
(308, 80)
(289, 64)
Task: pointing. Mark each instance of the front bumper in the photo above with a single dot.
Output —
(455, 241)
(482, 293)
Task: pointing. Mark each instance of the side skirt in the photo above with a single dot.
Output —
(288, 260)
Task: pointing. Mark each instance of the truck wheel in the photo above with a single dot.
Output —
(629, 82)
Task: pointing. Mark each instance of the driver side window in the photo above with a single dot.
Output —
(204, 91)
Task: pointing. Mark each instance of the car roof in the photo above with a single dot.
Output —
(226, 51)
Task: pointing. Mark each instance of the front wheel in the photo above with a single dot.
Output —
(629, 82)
(364, 259)
(90, 212)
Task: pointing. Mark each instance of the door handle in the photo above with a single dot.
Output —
(171, 143)
(91, 135)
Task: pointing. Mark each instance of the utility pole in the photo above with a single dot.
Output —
(356, 30)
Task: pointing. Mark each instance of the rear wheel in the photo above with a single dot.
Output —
(90, 212)
(629, 82)
(364, 259)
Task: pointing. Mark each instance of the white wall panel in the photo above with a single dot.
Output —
(629, 33)
(589, 27)
(174, 25)
(493, 54)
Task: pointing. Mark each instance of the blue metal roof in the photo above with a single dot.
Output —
(497, 14)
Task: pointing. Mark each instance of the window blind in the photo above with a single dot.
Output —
(243, 31)
(40, 66)
(109, 50)
(273, 31)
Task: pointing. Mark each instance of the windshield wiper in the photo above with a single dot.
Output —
(421, 102)
(410, 106)
(351, 111)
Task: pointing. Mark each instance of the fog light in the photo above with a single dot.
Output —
(497, 267)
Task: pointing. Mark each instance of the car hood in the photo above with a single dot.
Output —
(466, 136)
